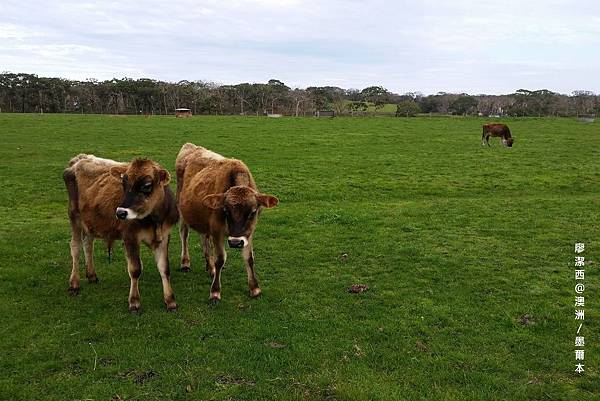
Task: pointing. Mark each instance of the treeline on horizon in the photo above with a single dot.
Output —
(28, 93)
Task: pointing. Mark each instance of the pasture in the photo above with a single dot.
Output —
(467, 252)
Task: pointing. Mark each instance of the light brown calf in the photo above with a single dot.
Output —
(129, 201)
(218, 197)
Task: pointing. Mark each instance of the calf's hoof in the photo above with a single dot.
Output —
(135, 310)
(215, 298)
(171, 305)
(93, 280)
(73, 291)
(185, 269)
(255, 292)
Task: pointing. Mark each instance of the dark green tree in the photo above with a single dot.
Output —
(407, 108)
(463, 105)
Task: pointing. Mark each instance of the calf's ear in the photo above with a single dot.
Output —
(214, 201)
(267, 201)
(118, 171)
(164, 177)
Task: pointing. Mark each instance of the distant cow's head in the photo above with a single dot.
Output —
(508, 142)
(143, 188)
(240, 205)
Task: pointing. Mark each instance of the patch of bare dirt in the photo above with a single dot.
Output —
(357, 288)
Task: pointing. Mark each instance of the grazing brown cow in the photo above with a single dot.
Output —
(218, 197)
(495, 129)
(130, 201)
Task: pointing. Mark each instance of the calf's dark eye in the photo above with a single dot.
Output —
(146, 188)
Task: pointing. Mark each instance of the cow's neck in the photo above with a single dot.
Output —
(155, 220)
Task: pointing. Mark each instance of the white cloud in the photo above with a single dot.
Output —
(464, 45)
(10, 31)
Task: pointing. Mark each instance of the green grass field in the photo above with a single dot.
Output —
(386, 109)
(457, 243)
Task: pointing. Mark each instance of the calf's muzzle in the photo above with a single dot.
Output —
(236, 242)
(121, 213)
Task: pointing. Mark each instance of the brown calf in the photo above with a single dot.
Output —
(130, 201)
(218, 197)
(494, 129)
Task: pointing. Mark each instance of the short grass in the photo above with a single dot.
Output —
(457, 243)
(388, 108)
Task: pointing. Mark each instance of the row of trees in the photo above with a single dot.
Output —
(28, 93)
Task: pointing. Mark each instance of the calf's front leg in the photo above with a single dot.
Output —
(161, 255)
(221, 257)
(88, 250)
(184, 232)
(248, 255)
(207, 247)
(134, 267)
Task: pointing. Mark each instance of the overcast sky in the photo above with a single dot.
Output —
(472, 46)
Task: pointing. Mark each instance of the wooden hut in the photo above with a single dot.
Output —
(325, 113)
(182, 112)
